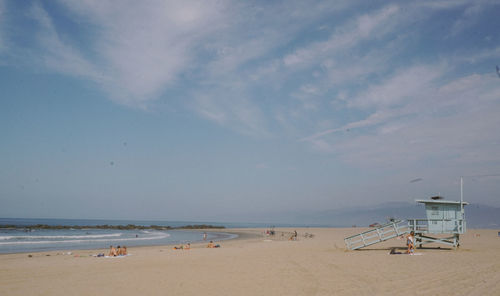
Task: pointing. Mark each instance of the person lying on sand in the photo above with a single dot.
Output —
(112, 251)
(184, 247)
(211, 245)
(123, 251)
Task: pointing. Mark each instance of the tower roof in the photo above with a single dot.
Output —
(440, 201)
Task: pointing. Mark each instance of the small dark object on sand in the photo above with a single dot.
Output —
(393, 252)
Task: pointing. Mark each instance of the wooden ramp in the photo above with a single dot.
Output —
(376, 235)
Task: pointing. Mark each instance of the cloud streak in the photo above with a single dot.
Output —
(364, 27)
(456, 125)
(146, 47)
(57, 54)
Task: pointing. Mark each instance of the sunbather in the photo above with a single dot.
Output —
(112, 251)
(212, 245)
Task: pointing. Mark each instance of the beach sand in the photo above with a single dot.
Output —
(256, 265)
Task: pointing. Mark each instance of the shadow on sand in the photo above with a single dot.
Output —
(403, 249)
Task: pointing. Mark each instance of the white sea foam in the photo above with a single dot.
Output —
(156, 236)
(33, 237)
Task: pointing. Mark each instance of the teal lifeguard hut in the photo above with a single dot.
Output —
(444, 223)
(444, 217)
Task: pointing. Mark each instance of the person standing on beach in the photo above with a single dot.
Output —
(410, 242)
(204, 236)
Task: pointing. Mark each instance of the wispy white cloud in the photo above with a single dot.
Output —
(146, 46)
(452, 4)
(57, 54)
(471, 14)
(364, 27)
(233, 110)
(456, 125)
(442, 4)
(137, 52)
(406, 83)
(376, 118)
(469, 17)
(389, 99)
(479, 56)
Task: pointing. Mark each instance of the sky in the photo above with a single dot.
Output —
(245, 111)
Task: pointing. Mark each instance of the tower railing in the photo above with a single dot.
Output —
(437, 226)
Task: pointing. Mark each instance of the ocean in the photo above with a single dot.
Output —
(21, 239)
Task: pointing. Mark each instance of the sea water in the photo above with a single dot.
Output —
(21, 239)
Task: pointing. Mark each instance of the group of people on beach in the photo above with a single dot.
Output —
(183, 247)
(118, 251)
(188, 246)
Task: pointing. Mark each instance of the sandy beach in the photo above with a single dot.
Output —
(256, 265)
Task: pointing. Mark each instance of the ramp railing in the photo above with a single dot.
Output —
(376, 235)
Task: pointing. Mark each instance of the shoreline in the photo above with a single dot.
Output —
(241, 235)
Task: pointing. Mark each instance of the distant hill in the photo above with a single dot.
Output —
(481, 216)
(477, 216)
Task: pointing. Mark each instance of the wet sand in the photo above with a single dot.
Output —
(255, 264)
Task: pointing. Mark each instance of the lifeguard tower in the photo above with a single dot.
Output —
(444, 218)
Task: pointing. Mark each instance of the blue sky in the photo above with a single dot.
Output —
(244, 111)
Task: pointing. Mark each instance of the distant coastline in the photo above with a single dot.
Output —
(21, 223)
(106, 226)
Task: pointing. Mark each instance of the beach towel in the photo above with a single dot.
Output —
(121, 256)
